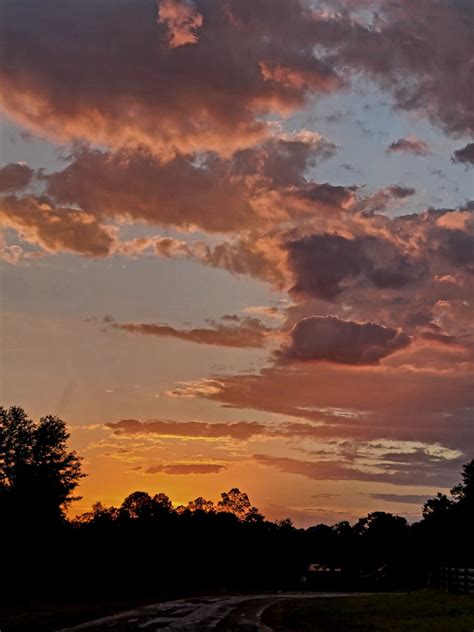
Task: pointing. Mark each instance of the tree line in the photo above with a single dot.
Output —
(147, 547)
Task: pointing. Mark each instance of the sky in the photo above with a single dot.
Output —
(237, 246)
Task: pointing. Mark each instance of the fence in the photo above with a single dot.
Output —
(459, 580)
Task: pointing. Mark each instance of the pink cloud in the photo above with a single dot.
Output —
(182, 21)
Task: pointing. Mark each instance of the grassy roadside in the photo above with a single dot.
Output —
(422, 611)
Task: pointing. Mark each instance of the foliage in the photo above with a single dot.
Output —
(38, 474)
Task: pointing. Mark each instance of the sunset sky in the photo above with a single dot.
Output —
(238, 245)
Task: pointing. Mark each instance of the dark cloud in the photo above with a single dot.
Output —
(326, 195)
(465, 155)
(455, 245)
(401, 192)
(418, 51)
(330, 339)
(326, 265)
(409, 145)
(14, 177)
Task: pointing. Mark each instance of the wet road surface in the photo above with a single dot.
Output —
(240, 613)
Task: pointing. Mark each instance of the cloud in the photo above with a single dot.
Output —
(190, 76)
(442, 474)
(456, 244)
(249, 333)
(254, 187)
(439, 337)
(56, 229)
(415, 499)
(382, 200)
(465, 155)
(177, 77)
(325, 195)
(358, 402)
(240, 431)
(266, 311)
(409, 145)
(325, 265)
(255, 256)
(14, 177)
(330, 339)
(398, 191)
(416, 51)
(186, 468)
(182, 21)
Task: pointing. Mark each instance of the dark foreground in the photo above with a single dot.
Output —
(420, 611)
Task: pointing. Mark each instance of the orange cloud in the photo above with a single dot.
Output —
(255, 187)
(128, 76)
(56, 229)
(182, 21)
(249, 333)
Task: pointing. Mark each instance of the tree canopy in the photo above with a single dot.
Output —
(38, 474)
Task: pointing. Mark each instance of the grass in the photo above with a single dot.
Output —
(422, 611)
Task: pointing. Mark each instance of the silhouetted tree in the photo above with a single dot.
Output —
(38, 474)
(437, 507)
(464, 492)
(238, 503)
(200, 504)
(445, 533)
